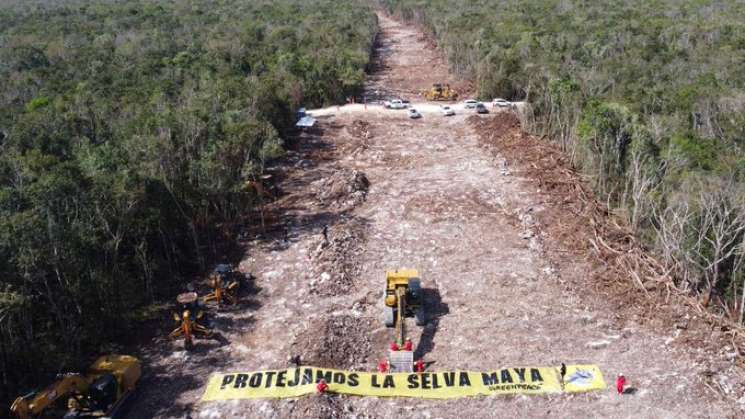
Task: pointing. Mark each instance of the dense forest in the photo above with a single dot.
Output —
(130, 128)
(647, 97)
(128, 131)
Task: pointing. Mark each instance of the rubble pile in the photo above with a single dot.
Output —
(339, 342)
(334, 268)
(342, 190)
(360, 129)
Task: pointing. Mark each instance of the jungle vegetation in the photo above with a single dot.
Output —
(646, 96)
(128, 130)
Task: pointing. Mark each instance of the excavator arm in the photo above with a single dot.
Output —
(29, 406)
(400, 314)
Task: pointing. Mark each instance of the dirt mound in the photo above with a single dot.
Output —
(342, 190)
(339, 342)
(317, 406)
(359, 133)
(334, 268)
(360, 129)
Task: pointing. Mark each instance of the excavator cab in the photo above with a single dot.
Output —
(103, 392)
(403, 298)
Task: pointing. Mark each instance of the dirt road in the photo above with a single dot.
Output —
(428, 194)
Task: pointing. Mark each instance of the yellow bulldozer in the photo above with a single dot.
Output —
(100, 393)
(403, 298)
(440, 92)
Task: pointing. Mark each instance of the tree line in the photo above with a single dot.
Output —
(645, 96)
(128, 131)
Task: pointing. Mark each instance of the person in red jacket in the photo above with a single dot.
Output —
(408, 346)
(383, 366)
(620, 382)
(394, 346)
(419, 366)
(321, 387)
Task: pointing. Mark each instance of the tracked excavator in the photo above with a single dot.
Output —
(101, 393)
(402, 298)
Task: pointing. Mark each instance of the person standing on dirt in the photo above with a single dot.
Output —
(563, 372)
(321, 387)
(295, 360)
(620, 383)
(419, 366)
(383, 366)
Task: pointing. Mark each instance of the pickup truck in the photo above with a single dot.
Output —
(395, 104)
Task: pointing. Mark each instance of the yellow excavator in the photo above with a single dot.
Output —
(440, 92)
(403, 298)
(101, 393)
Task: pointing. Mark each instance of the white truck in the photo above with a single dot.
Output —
(395, 104)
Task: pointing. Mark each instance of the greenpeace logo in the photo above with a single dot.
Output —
(513, 387)
(581, 378)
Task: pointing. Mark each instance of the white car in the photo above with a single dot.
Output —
(470, 104)
(500, 103)
(414, 114)
(395, 104)
(447, 111)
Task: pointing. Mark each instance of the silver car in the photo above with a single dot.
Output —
(447, 111)
(414, 114)
(470, 104)
(500, 103)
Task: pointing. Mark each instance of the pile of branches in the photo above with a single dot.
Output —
(334, 260)
(344, 189)
(593, 232)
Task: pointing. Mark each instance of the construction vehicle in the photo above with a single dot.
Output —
(395, 104)
(101, 393)
(189, 327)
(403, 298)
(223, 288)
(440, 92)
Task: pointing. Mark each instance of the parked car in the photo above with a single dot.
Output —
(470, 104)
(480, 108)
(500, 103)
(395, 104)
(447, 111)
(414, 114)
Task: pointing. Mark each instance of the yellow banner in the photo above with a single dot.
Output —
(295, 382)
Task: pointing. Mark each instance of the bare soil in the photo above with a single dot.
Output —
(405, 64)
(506, 285)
